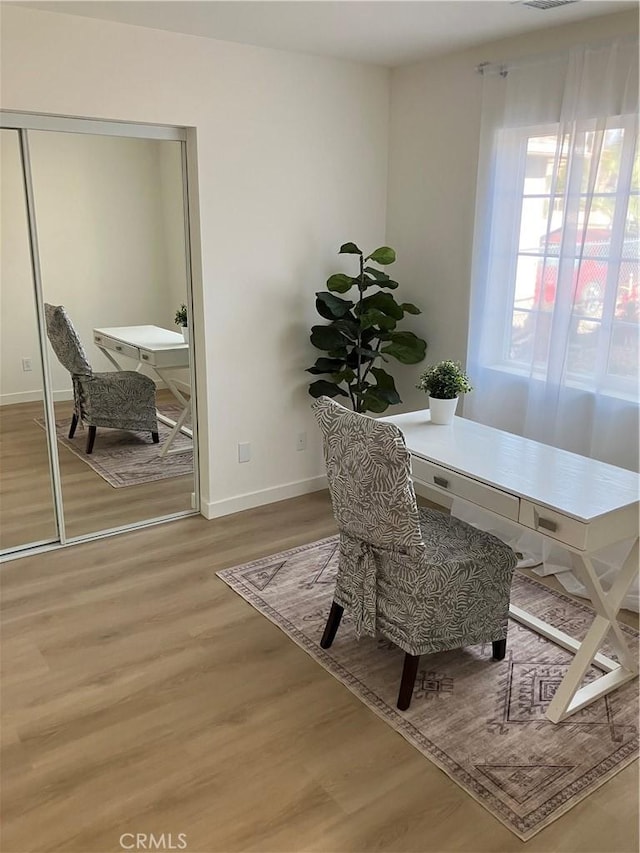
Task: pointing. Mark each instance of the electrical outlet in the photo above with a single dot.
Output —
(301, 441)
(244, 452)
(26, 365)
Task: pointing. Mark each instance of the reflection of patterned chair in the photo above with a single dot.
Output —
(424, 580)
(123, 399)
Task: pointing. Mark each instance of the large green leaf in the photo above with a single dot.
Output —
(349, 249)
(383, 379)
(406, 347)
(326, 365)
(332, 307)
(377, 274)
(382, 302)
(340, 283)
(366, 353)
(373, 276)
(374, 317)
(322, 387)
(373, 402)
(384, 255)
(410, 308)
(348, 327)
(347, 375)
(327, 338)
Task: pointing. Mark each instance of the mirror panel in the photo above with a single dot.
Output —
(27, 511)
(110, 219)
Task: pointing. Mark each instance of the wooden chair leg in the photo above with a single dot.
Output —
(74, 424)
(155, 437)
(409, 672)
(91, 437)
(333, 623)
(499, 649)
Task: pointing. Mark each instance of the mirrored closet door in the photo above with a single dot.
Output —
(109, 212)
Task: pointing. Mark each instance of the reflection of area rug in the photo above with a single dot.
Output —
(481, 721)
(125, 458)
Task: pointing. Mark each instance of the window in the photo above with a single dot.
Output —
(568, 262)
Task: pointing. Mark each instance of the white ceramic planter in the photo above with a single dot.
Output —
(185, 334)
(442, 411)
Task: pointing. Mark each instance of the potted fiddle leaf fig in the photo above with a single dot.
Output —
(361, 332)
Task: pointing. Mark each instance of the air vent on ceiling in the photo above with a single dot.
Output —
(545, 4)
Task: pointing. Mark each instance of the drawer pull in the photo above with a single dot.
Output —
(118, 348)
(440, 481)
(145, 357)
(547, 524)
(97, 339)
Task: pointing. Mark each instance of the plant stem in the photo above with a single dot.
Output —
(358, 406)
(372, 362)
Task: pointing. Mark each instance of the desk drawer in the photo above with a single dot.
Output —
(117, 346)
(570, 531)
(503, 504)
(176, 357)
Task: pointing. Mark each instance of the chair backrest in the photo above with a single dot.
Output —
(368, 469)
(65, 341)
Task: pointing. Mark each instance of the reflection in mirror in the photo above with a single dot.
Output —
(27, 514)
(109, 212)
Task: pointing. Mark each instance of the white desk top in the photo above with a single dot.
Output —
(580, 487)
(148, 337)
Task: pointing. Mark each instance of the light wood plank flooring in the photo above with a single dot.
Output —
(140, 694)
(90, 503)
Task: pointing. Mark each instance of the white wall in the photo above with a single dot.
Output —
(18, 321)
(292, 161)
(110, 232)
(433, 157)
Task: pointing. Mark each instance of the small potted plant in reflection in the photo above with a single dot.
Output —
(183, 321)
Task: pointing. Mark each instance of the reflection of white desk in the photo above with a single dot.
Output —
(163, 351)
(580, 503)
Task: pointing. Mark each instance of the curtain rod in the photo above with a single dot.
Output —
(503, 68)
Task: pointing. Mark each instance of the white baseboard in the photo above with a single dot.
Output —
(33, 397)
(216, 509)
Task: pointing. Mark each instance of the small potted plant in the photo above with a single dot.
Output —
(181, 320)
(444, 382)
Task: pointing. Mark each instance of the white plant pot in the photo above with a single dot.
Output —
(442, 411)
(185, 334)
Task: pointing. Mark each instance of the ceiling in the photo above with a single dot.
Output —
(385, 32)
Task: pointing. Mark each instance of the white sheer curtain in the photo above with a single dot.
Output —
(553, 341)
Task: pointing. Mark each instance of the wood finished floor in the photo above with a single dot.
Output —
(91, 504)
(140, 694)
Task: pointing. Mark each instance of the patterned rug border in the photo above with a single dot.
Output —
(101, 470)
(524, 829)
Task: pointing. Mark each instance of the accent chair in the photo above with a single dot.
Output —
(122, 399)
(423, 579)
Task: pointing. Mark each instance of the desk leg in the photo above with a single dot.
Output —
(570, 696)
(177, 426)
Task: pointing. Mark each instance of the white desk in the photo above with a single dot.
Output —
(161, 349)
(580, 503)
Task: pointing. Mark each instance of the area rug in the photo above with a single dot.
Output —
(481, 721)
(125, 458)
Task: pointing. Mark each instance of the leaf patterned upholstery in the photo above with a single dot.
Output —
(426, 581)
(123, 399)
